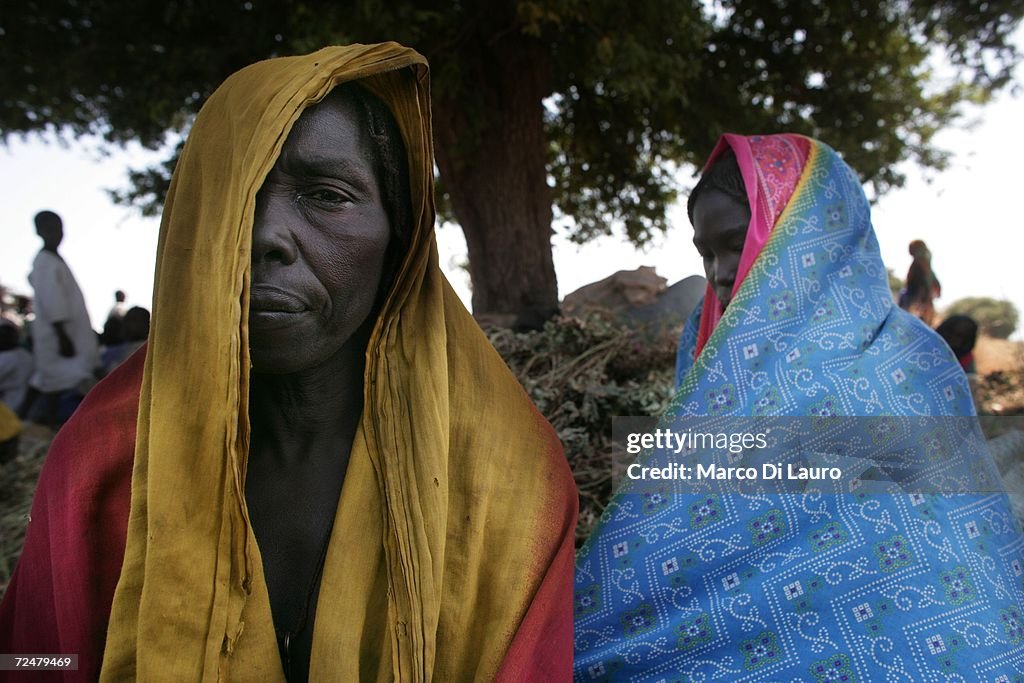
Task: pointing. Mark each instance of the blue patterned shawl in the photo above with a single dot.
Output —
(856, 587)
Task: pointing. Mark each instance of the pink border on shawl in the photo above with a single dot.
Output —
(770, 182)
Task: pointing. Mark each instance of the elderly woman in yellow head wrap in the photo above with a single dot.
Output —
(318, 468)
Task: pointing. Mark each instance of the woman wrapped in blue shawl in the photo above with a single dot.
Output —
(916, 578)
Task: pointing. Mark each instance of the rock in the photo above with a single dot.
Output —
(638, 297)
(620, 291)
(675, 305)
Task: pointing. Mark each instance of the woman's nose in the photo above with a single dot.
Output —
(272, 239)
(725, 270)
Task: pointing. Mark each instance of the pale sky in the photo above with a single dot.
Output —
(968, 216)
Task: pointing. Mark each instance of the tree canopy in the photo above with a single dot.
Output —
(563, 108)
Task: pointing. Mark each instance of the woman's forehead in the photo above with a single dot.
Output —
(330, 132)
(716, 212)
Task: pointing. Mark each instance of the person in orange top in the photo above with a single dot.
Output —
(922, 286)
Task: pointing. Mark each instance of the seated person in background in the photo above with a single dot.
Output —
(15, 371)
(15, 366)
(134, 329)
(859, 584)
(111, 334)
(318, 466)
(961, 333)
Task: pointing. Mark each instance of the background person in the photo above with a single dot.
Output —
(15, 366)
(961, 333)
(120, 307)
(113, 333)
(922, 286)
(134, 329)
(64, 344)
(15, 370)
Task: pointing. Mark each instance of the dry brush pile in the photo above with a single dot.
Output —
(581, 373)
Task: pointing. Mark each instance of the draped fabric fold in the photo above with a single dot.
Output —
(850, 585)
(450, 557)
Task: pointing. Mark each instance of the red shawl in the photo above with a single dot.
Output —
(58, 601)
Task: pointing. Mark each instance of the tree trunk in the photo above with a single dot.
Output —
(491, 153)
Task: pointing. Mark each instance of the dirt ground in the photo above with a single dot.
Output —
(992, 355)
(1000, 366)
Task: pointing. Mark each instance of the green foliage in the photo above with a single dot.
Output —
(637, 89)
(147, 187)
(996, 317)
(662, 81)
(581, 374)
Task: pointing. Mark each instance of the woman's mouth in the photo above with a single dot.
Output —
(266, 299)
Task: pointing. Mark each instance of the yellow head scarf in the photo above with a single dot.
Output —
(457, 500)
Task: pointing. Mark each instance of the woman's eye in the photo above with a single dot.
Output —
(325, 196)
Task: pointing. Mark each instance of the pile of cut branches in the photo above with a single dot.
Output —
(581, 373)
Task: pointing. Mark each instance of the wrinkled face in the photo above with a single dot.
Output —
(719, 230)
(319, 241)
